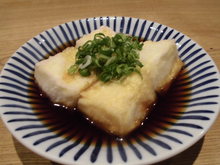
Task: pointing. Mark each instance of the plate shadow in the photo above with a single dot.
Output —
(28, 157)
(186, 157)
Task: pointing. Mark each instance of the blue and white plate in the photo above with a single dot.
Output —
(190, 109)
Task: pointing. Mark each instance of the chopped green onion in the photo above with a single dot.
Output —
(88, 61)
(73, 69)
(84, 72)
(109, 58)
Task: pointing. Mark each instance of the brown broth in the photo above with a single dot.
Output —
(71, 124)
(66, 121)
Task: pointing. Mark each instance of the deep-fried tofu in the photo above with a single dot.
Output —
(53, 79)
(120, 107)
(103, 29)
(162, 61)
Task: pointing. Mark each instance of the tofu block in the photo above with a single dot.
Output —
(163, 63)
(120, 107)
(103, 29)
(53, 79)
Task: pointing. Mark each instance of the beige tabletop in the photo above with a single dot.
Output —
(20, 20)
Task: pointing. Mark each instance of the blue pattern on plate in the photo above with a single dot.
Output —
(17, 97)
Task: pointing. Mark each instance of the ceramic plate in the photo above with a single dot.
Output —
(190, 108)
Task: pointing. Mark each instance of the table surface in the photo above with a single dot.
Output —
(20, 20)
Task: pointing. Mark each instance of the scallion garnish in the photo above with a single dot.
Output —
(109, 58)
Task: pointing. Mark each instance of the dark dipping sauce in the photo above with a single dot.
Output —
(72, 125)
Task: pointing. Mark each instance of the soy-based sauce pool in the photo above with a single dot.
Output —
(71, 124)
